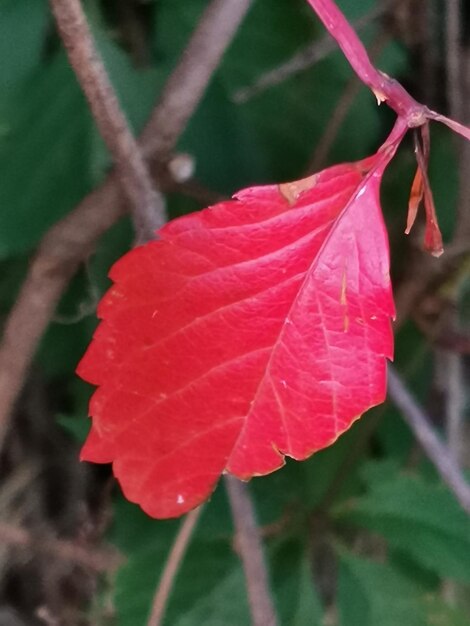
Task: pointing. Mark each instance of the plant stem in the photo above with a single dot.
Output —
(248, 541)
(148, 209)
(89, 557)
(175, 558)
(385, 88)
(305, 58)
(437, 452)
(340, 112)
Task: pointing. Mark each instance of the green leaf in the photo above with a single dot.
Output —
(415, 516)
(272, 136)
(217, 599)
(209, 588)
(24, 22)
(76, 427)
(44, 170)
(373, 594)
(443, 174)
(52, 154)
(293, 587)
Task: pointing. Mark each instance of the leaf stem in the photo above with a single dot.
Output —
(172, 565)
(386, 89)
(249, 543)
(304, 59)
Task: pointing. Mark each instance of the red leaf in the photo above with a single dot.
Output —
(254, 329)
(416, 195)
(420, 188)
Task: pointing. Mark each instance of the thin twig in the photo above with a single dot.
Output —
(455, 405)
(427, 274)
(92, 558)
(341, 110)
(429, 48)
(436, 451)
(333, 126)
(301, 61)
(69, 242)
(187, 83)
(248, 541)
(452, 58)
(147, 205)
(172, 565)
(462, 229)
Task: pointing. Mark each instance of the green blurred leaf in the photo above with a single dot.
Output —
(373, 594)
(44, 168)
(421, 518)
(240, 144)
(443, 174)
(52, 154)
(21, 21)
(77, 427)
(209, 588)
(298, 603)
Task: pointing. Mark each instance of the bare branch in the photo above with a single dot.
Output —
(436, 451)
(462, 229)
(189, 80)
(248, 541)
(147, 205)
(455, 405)
(341, 110)
(175, 558)
(89, 557)
(311, 54)
(452, 59)
(72, 240)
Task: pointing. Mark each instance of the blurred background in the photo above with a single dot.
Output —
(361, 534)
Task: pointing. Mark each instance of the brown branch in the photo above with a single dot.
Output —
(301, 61)
(248, 541)
(452, 57)
(462, 229)
(72, 240)
(189, 80)
(341, 110)
(333, 126)
(147, 205)
(91, 557)
(455, 401)
(436, 451)
(175, 558)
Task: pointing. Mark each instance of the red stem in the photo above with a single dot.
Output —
(385, 88)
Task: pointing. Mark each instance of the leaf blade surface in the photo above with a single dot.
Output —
(254, 329)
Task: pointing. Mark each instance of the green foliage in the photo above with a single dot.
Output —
(210, 586)
(408, 513)
(373, 593)
(45, 169)
(51, 156)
